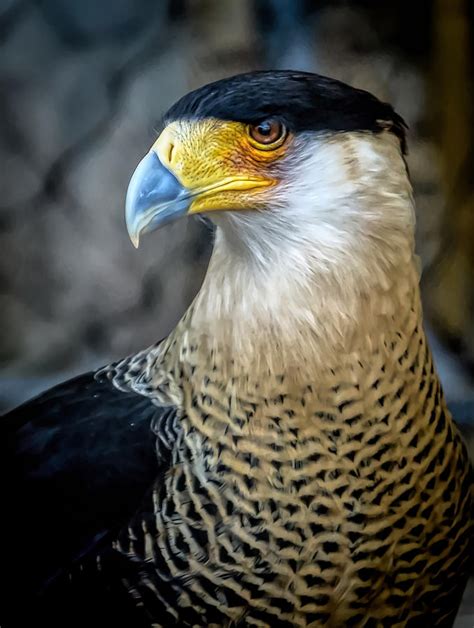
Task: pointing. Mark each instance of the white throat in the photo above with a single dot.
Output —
(328, 265)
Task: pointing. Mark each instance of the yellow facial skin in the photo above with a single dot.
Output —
(218, 162)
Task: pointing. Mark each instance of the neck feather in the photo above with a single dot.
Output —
(284, 317)
(329, 270)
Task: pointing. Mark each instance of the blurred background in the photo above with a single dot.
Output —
(83, 85)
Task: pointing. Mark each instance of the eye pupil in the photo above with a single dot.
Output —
(264, 128)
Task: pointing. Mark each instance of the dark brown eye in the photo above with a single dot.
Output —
(267, 132)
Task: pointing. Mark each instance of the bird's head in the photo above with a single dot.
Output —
(265, 143)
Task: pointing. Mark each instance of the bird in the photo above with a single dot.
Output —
(285, 456)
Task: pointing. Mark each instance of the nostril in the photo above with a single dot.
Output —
(170, 152)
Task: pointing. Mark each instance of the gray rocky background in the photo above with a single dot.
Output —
(83, 84)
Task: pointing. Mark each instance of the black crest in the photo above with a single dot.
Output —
(303, 101)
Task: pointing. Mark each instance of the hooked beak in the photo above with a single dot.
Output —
(154, 198)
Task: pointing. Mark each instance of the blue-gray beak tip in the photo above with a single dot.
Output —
(154, 198)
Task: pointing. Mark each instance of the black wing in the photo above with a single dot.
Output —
(77, 462)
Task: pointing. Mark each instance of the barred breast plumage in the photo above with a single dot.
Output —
(341, 501)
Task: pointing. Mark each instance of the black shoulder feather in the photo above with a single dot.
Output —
(77, 462)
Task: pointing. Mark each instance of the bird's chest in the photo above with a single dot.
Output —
(257, 514)
(272, 498)
(316, 500)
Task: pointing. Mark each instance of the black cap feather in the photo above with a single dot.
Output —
(302, 100)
